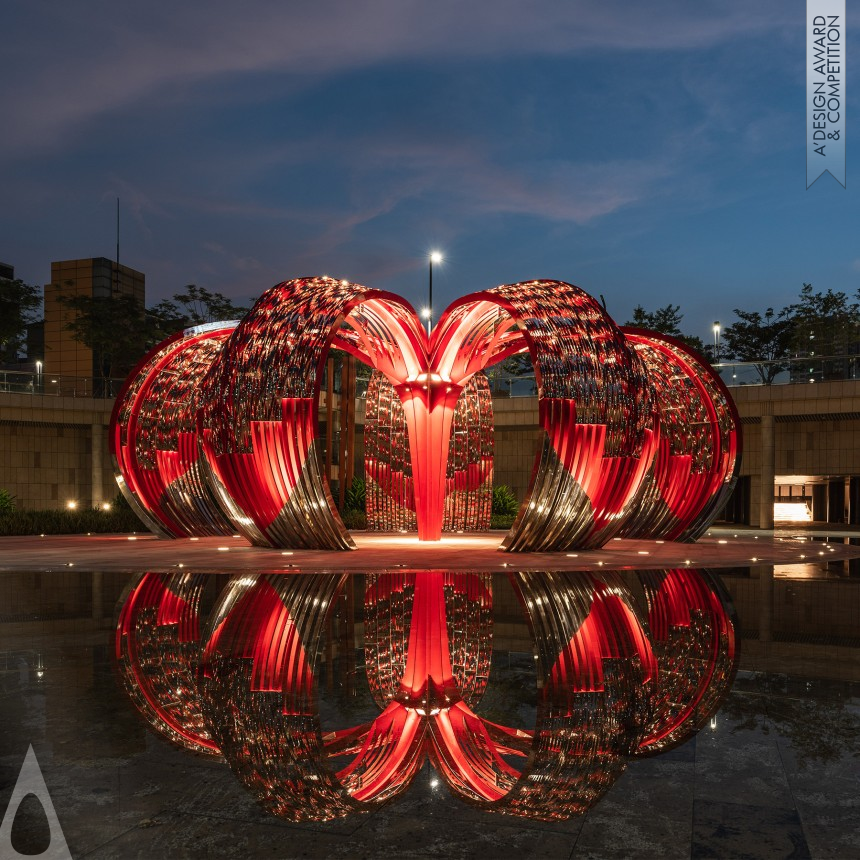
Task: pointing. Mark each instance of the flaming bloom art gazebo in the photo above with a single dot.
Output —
(216, 431)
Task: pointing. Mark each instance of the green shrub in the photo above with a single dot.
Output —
(24, 522)
(120, 503)
(354, 519)
(501, 521)
(355, 497)
(505, 502)
(7, 503)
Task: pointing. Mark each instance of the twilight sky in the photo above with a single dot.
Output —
(651, 152)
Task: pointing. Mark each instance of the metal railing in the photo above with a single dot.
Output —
(783, 372)
(50, 385)
(803, 369)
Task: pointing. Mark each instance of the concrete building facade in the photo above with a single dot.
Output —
(95, 277)
(801, 443)
(54, 450)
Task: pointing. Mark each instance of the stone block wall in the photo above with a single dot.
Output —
(46, 450)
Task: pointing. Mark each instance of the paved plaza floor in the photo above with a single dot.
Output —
(720, 548)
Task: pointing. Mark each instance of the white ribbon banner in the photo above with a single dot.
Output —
(825, 89)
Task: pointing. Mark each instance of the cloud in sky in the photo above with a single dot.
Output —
(650, 151)
(66, 64)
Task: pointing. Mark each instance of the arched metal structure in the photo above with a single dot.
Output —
(696, 646)
(153, 435)
(596, 407)
(698, 457)
(157, 652)
(604, 464)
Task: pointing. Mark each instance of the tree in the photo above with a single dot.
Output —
(195, 306)
(825, 323)
(758, 338)
(117, 328)
(826, 326)
(18, 303)
(667, 320)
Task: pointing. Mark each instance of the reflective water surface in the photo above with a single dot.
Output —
(771, 773)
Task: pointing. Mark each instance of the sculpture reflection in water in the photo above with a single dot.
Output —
(625, 665)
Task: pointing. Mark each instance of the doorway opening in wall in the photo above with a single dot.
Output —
(792, 512)
(798, 498)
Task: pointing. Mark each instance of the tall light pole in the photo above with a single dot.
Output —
(435, 257)
(716, 342)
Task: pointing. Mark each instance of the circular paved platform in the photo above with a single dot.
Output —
(378, 552)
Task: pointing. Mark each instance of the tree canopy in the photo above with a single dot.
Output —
(195, 306)
(757, 337)
(821, 324)
(119, 330)
(18, 305)
(824, 323)
(667, 320)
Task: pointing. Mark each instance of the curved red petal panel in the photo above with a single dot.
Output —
(259, 413)
(596, 407)
(699, 451)
(428, 646)
(153, 436)
(469, 758)
(157, 650)
(259, 693)
(388, 759)
(595, 665)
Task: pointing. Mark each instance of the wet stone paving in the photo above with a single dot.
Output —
(775, 773)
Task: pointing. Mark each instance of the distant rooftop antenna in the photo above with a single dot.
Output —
(116, 275)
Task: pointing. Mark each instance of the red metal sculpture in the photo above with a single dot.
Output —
(599, 397)
(157, 651)
(153, 436)
(695, 468)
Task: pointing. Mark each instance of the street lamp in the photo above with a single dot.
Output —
(435, 257)
(716, 342)
(38, 376)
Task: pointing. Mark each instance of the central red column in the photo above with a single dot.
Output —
(429, 403)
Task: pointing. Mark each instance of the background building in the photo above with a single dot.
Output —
(95, 277)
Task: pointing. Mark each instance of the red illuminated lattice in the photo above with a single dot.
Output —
(388, 468)
(638, 435)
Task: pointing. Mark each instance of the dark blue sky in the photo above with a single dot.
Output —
(651, 152)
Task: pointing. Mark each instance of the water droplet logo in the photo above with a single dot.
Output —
(30, 781)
